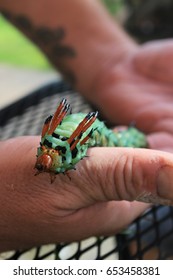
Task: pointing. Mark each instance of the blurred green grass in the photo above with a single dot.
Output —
(113, 5)
(15, 49)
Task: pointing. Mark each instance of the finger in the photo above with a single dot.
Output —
(129, 174)
(107, 174)
(156, 117)
(161, 141)
(155, 60)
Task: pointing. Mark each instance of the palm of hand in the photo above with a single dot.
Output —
(140, 89)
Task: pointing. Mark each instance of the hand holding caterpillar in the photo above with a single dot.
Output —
(65, 139)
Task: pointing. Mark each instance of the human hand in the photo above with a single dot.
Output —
(139, 88)
(102, 189)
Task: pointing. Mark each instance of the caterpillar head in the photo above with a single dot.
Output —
(48, 160)
(43, 163)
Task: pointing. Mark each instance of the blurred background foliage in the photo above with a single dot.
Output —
(143, 19)
(16, 49)
(113, 5)
(149, 19)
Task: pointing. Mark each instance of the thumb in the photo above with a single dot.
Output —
(130, 174)
(155, 60)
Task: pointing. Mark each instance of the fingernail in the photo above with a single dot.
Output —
(165, 183)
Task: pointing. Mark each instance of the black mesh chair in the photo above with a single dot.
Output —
(148, 237)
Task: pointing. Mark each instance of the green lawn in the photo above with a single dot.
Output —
(15, 49)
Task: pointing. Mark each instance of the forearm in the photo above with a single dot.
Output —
(79, 37)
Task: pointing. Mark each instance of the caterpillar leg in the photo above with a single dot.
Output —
(59, 115)
(66, 173)
(82, 127)
(52, 177)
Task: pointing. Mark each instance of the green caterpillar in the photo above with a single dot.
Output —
(65, 139)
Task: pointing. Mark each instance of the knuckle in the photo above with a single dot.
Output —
(128, 177)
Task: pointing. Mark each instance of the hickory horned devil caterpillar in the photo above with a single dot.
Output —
(65, 139)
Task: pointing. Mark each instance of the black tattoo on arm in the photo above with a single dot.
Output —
(50, 41)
